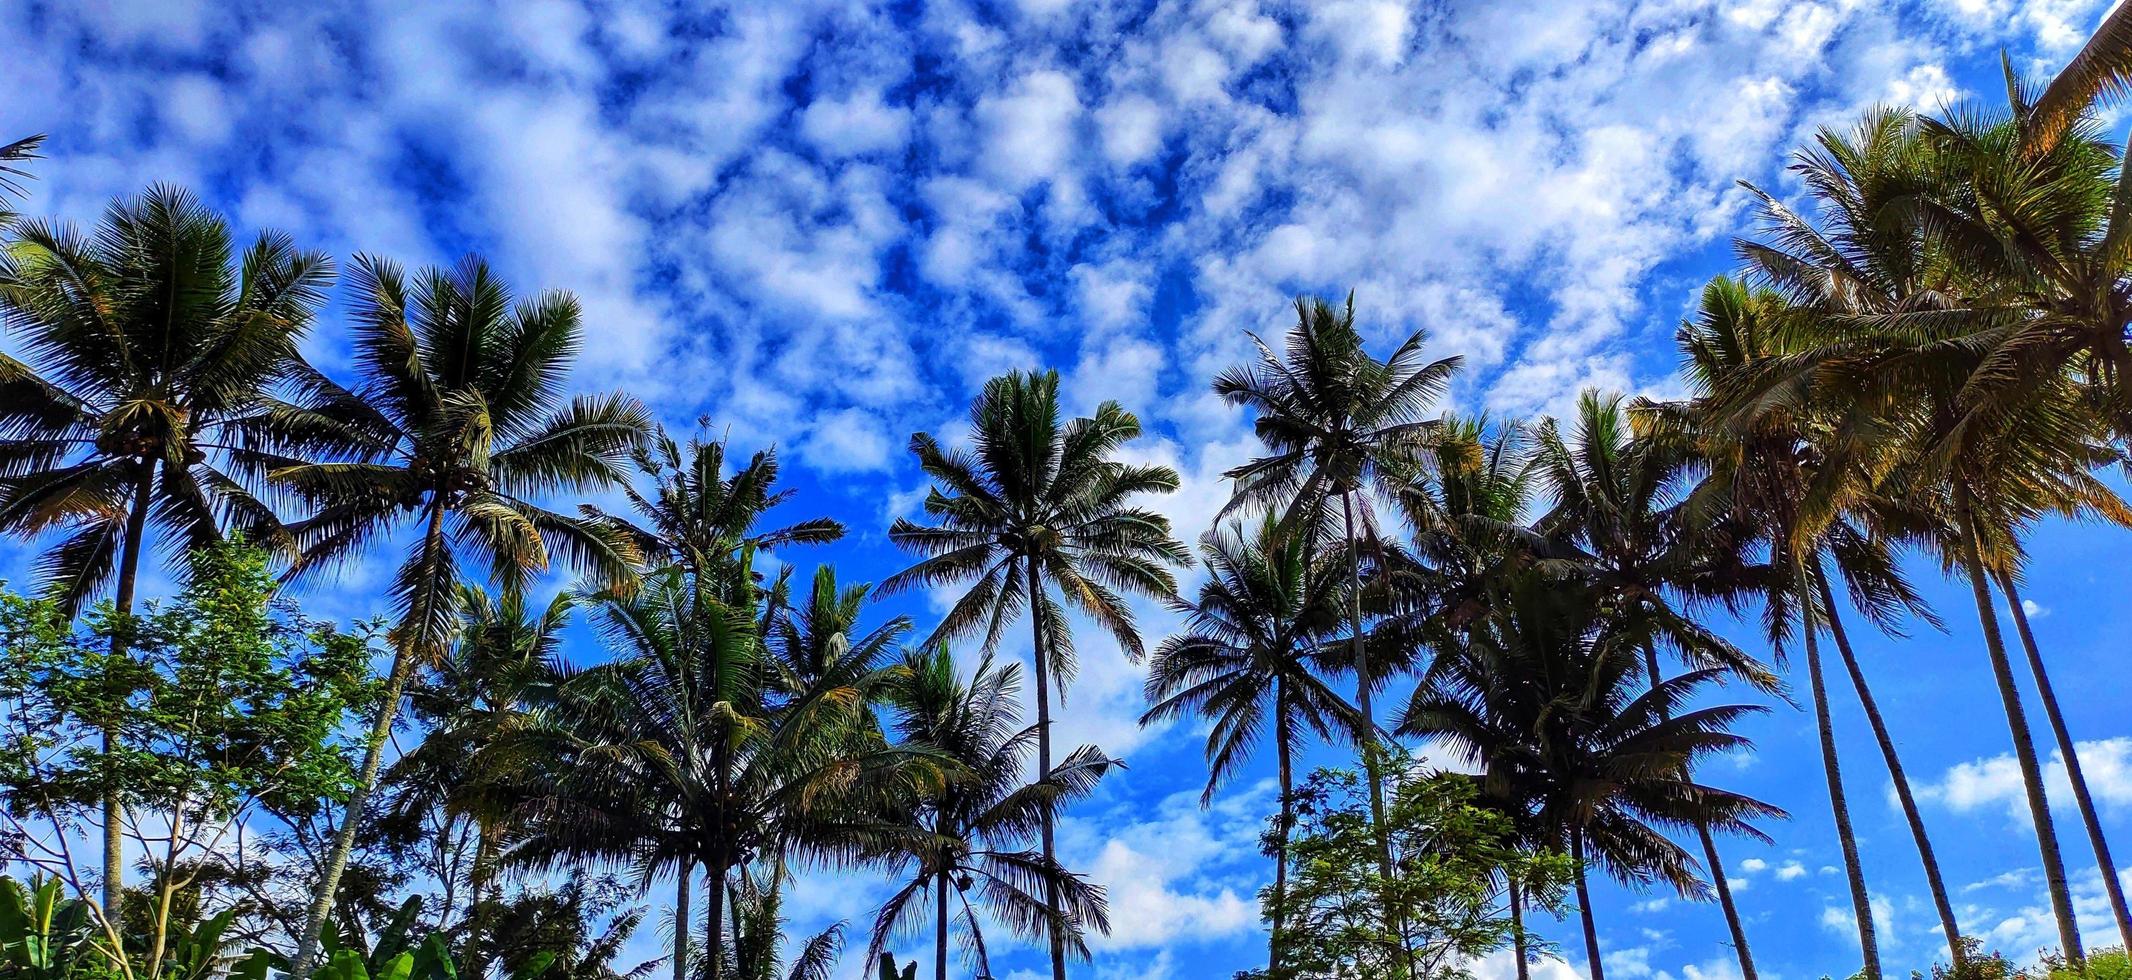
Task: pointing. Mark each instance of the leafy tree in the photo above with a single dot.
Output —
(1457, 863)
(973, 832)
(147, 352)
(1338, 424)
(1039, 504)
(457, 424)
(1256, 642)
(227, 712)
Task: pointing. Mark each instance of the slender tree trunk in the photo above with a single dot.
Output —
(2081, 797)
(1048, 833)
(407, 649)
(683, 925)
(714, 907)
(1517, 929)
(2039, 807)
(1839, 805)
(1372, 766)
(1710, 853)
(477, 913)
(1584, 907)
(1933, 880)
(940, 932)
(114, 802)
(1282, 735)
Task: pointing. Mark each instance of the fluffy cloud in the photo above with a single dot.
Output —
(1995, 782)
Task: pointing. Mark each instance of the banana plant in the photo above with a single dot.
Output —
(45, 935)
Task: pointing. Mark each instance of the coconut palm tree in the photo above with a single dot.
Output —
(1036, 505)
(1338, 425)
(1541, 693)
(1255, 643)
(148, 352)
(671, 757)
(756, 951)
(1911, 329)
(812, 637)
(697, 517)
(1774, 470)
(1619, 500)
(460, 421)
(973, 833)
(11, 176)
(468, 700)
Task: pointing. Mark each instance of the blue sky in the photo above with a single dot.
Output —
(823, 225)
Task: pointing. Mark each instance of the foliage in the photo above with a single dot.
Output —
(1456, 862)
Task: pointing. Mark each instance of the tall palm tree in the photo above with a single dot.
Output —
(12, 176)
(1620, 500)
(1255, 643)
(1542, 694)
(459, 422)
(824, 629)
(1910, 329)
(974, 831)
(671, 757)
(1338, 424)
(1794, 476)
(756, 951)
(697, 517)
(477, 694)
(1040, 504)
(148, 356)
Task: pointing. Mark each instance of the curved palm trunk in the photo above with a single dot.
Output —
(1839, 805)
(1584, 909)
(1043, 762)
(1941, 901)
(2039, 808)
(2081, 797)
(682, 925)
(1710, 854)
(940, 932)
(475, 958)
(1517, 929)
(1372, 766)
(404, 656)
(1282, 734)
(114, 800)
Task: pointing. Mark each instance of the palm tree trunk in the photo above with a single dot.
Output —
(682, 925)
(940, 932)
(1933, 880)
(1839, 805)
(1282, 735)
(477, 914)
(1040, 656)
(114, 800)
(2002, 670)
(1710, 855)
(1372, 766)
(1517, 928)
(1584, 908)
(2081, 797)
(404, 656)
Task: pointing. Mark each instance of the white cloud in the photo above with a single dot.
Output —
(1031, 130)
(856, 124)
(1996, 781)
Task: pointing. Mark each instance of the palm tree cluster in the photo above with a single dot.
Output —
(1929, 359)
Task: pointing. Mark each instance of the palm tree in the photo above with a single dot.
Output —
(696, 517)
(459, 421)
(973, 832)
(1540, 693)
(1337, 424)
(474, 696)
(148, 357)
(1773, 470)
(1256, 642)
(756, 949)
(810, 639)
(11, 177)
(671, 756)
(1620, 500)
(1039, 504)
(1911, 336)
